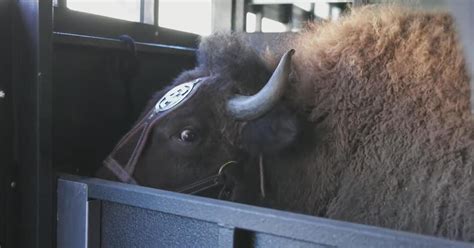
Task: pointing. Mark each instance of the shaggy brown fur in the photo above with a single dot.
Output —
(389, 92)
(375, 128)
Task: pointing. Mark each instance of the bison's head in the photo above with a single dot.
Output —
(237, 112)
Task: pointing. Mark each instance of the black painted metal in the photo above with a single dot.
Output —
(153, 228)
(8, 199)
(138, 216)
(89, 94)
(108, 43)
(32, 99)
(87, 97)
(94, 223)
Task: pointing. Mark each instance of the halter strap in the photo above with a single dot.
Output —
(135, 141)
(206, 183)
(121, 162)
(118, 171)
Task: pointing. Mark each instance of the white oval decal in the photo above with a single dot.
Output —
(174, 96)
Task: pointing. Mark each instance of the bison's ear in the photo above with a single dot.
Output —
(231, 55)
(271, 133)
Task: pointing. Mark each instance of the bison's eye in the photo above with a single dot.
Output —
(188, 135)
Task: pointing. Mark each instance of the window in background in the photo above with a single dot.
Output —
(193, 16)
(335, 12)
(121, 9)
(321, 10)
(271, 26)
(251, 22)
(304, 6)
(268, 25)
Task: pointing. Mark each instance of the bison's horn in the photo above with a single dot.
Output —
(252, 107)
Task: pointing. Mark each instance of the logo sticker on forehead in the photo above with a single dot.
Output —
(175, 96)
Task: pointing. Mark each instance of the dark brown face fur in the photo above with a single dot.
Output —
(178, 150)
(186, 145)
(194, 139)
(191, 141)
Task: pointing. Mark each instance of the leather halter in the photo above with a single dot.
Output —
(210, 183)
(123, 159)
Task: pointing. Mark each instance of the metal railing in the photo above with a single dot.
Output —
(108, 43)
(99, 213)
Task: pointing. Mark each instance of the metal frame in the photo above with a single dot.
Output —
(144, 18)
(210, 222)
(8, 199)
(291, 15)
(81, 23)
(107, 43)
(31, 96)
(228, 15)
(33, 110)
(32, 39)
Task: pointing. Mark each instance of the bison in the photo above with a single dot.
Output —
(367, 120)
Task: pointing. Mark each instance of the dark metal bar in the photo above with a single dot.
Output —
(271, 222)
(239, 15)
(107, 43)
(76, 22)
(156, 11)
(258, 21)
(94, 221)
(8, 193)
(142, 11)
(33, 109)
(61, 3)
(72, 215)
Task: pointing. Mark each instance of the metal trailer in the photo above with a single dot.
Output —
(63, 80)
(99, 213)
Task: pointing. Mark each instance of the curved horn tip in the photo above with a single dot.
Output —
(252, 107)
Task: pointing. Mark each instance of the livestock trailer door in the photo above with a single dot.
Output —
(73, 82)
(98, 213)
